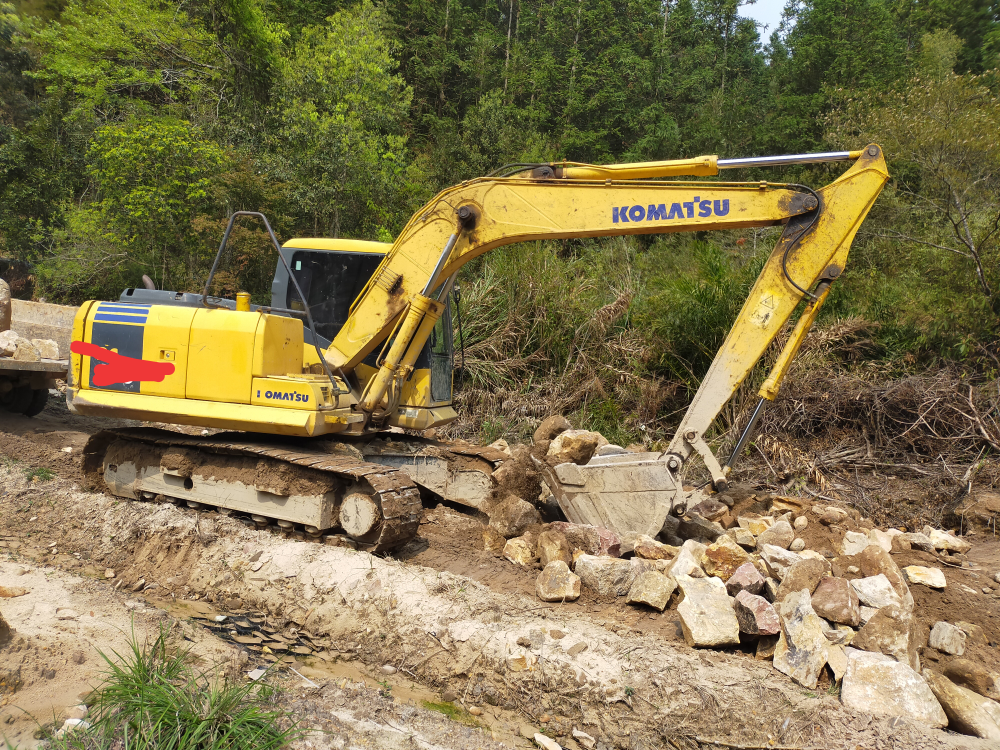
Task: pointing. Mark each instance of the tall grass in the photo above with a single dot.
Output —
(153, 699)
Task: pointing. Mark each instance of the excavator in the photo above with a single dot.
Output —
(357, 340)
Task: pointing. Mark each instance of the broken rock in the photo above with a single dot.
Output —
(755, 615)
(688, 560)
(801, 652)
(875, 560)
(876, 591)
(648, 548)
(836, 600)
(653, 589)
(974, 676)
(551, 427)
(878, 684)
(512, 516)
(881, 538)
(576, 446)
(779, 534)
(47, 348)
(854, 543)
(931, 577)
(777, 559)
(493, 541)
(755, 524)
(553, 546)
(593, 540)
(723, 557)
(557, 583)
(968, 712)
(608, 576)
(890, 631)
(805, 574)
(519, 552)
(942, 540)
(700, 529)
(745, 578)
(917, 541)
(710, 509)
(948, 638)
(706, 614)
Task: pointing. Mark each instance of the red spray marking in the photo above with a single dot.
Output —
(115, 368)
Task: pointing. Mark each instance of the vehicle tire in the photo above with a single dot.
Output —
(18, 399)
(39, 397)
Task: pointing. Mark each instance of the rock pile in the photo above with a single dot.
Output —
(812, 587)
(17, 347)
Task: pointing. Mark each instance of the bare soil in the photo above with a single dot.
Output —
(451, 621)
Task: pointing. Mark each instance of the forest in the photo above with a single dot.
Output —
(131, 129)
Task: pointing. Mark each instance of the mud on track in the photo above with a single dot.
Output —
(448, 618)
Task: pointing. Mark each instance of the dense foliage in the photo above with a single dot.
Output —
(130, 129)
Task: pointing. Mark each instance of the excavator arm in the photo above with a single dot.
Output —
(404, 297)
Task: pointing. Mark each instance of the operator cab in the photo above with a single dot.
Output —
(332, 273)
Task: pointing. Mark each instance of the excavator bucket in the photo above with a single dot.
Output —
(628, 493)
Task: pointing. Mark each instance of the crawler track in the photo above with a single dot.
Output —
(266, 462)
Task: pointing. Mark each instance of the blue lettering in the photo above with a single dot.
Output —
(268, 395)
(690, 209)
(722, 207)
(705, 208)
(636, 213)
(619, 214)
(305, 399)
(675, 211)
(258, 394)
(655, 213)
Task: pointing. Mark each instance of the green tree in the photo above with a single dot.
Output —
(342, 143)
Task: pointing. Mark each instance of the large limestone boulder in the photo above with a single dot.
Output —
(891, 631)
(801, 652)
(25, 351)
(930, 577)
(723, 557)
(688, 560)
(706, 613)
(876, 591)
(8, 342)
(519, 552)
(878, 684)
(805, 574)
(552, 545)
(47, 348)
(780, 534)
(974, 676)
(652, 589)
(574, 446)
(942, 540)
(835, 600)
(608, 576)
(755, 615)
(854, 543)
(746, 578)
(557, 583)
(647, 548)
(948, 638)
(968, 712)
(778, 560)
(551, 427)
(512, 516)
(874, 561)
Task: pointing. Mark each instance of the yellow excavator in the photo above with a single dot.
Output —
(357, 339)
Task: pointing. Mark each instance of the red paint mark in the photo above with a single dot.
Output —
(115, 368)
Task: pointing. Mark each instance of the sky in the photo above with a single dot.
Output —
(764, 11)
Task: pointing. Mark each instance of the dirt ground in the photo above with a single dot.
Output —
(440, 645)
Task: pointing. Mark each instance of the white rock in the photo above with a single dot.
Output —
(802, 648)
(854, 542)
(881, 538)
(968, 712)
(948, 638)
(932, 577)
(8, 343)
(876, 591)
(687, 562)
(546, 742)
(66, 614)
(942, 540)
(866, 614)
(706, 613)
(778, 560)
(780, 534)
(800, 523)
(47, 348)
(878, 684)
(836, 657)
(584, 739)
(797, 545)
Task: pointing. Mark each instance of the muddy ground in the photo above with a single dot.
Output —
(439, 645)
